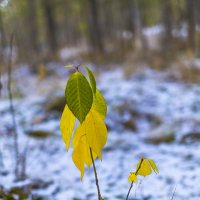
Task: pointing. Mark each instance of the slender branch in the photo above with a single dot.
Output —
(1, 85)
(136, 175)
(96, 178)
(1, 161)
(12, 110)
(129, 190)
(173, 193)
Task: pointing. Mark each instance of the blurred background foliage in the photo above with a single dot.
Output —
(157, 32)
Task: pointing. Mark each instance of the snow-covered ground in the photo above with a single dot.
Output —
(146, 105)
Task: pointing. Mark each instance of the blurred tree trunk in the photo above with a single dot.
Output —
(140, 39)
(131, 11)
(197, 46)
(2, 41)
(167, 44)
(50, 24)
(167, 22)
(33, 33)
(131, 18)
(95, 35)
(190, 5)
(2, 31)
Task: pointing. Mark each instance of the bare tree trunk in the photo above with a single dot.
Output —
(128, 22)
(167, 22)
(131, 15)
(2, 44)
(190, 4)
(167, 46)
(2, 32)
(50, 24)
(2, 41)
(197, 33)
(34, 52)
(140, 39)
(33, 33)
(94, 26)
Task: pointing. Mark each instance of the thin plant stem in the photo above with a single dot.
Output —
(96, 177)
(132, 181)
(173, 194)
(12, 110)
(129, 190)
(1, 85)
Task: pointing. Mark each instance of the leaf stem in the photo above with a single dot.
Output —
(132, 181)
(96, 178)
(76, 67)
(129, 190)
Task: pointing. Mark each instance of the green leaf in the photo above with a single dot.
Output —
(79, 96)
(69, 66)
(67, 123)
(92, 79)
(99, 104)
(153, 165)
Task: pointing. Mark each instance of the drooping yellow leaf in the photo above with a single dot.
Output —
(81, 141)
(96, 132)
(77, 158)
(132, 177)
(66, 125)
(79, 133)
(153, 165)
(143, 167)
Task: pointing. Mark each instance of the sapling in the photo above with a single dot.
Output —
(143, 168)
(12, 111)
(86, 105)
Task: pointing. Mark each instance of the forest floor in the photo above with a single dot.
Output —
(149, 115)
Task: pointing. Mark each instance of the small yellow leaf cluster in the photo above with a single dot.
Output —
(143, 168)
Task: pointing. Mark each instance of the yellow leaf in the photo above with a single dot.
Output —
(132, 177)
(67, 125)
(78, 159)
(96, 132)
(79, 133)
(153, 165)
(143, 167)
(81, 141)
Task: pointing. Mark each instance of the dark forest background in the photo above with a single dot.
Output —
(107, 30)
